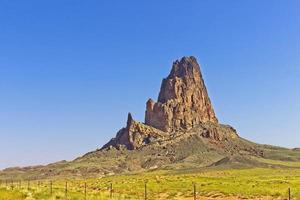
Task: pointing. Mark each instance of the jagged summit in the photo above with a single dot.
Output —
(186, 66)
(183, 100)
(183, 103)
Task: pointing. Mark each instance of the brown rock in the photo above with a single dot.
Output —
(183, 100)
(134, 135)
(183, 103)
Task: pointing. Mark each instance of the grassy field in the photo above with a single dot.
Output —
(210, 184)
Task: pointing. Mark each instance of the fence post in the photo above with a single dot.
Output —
(66, 190)
(28, 184)
(146, 190)
(289, 193)
(195, 192)
(85, 191)
(111, 190)
(51, 188)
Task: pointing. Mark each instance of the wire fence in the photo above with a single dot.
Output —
(82, 190)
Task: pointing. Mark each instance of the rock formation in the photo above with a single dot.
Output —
(183, 100)
(134, 135)
(183, 103)
(180, 132)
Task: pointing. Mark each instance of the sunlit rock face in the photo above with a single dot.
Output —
(134, 135)
(183, 100)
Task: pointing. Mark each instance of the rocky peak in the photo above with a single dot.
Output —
(183, 103)
(183, 100)
(129, 120)
(187, 66)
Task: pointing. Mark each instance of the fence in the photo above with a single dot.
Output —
(81, 190)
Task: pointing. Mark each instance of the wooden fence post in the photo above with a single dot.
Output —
(146, 195)
(289, 193)
(195, 192)
(51, 188)
(85, 191)
(66, 190)
(111, 190)
(28, 184)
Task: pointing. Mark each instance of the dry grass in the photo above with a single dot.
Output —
(256, 183)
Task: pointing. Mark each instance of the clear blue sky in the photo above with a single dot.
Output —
(70, 70)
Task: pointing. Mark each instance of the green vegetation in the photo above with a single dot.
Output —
(10, 195)
(278, 162)
(231, 169)
(246, 183)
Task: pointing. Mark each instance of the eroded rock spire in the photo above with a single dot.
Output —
(183, 103)
(183, 100)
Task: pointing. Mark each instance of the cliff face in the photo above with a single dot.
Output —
(183, 103)
(183, 100)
